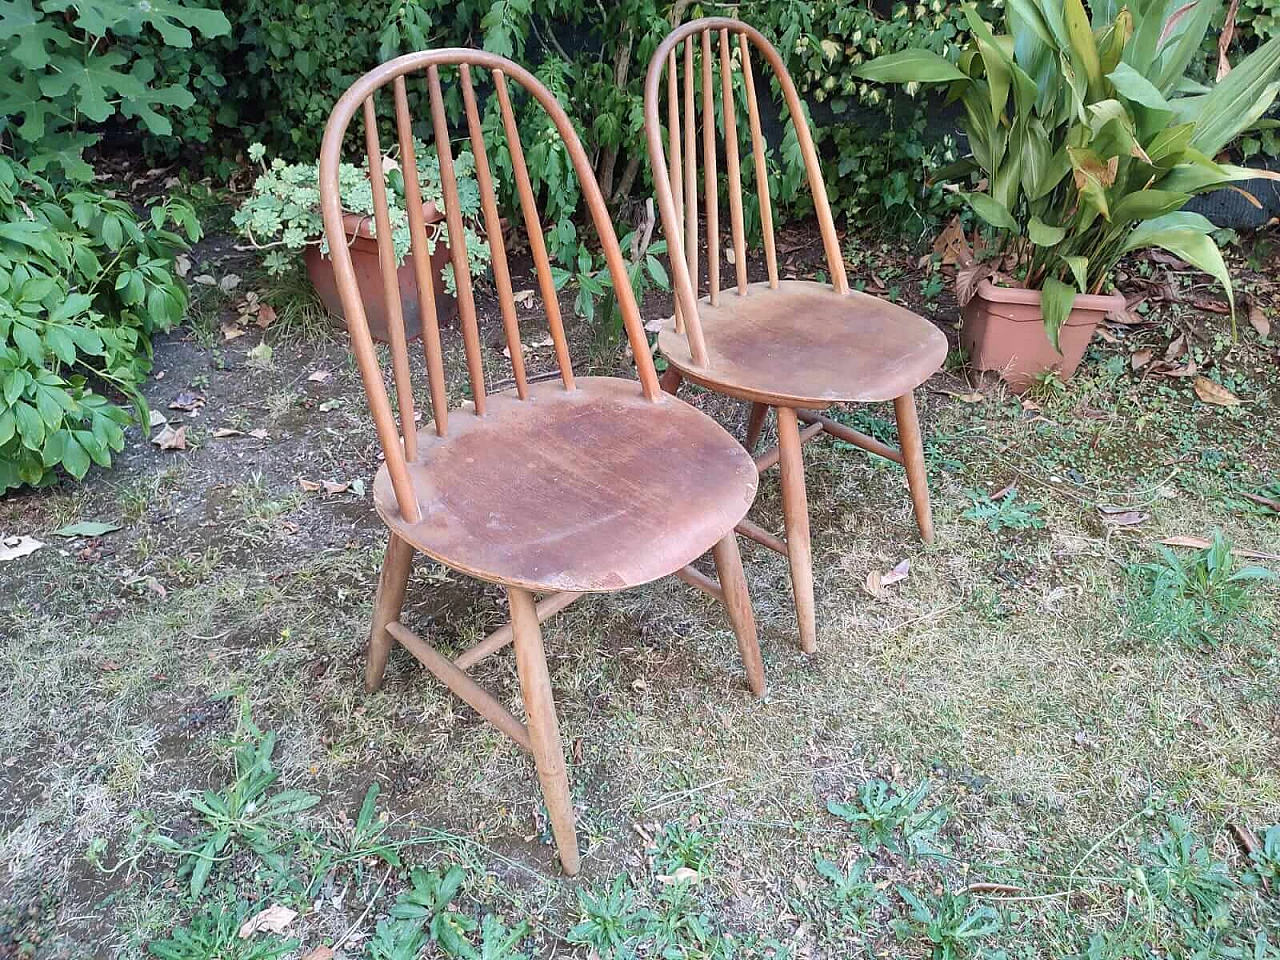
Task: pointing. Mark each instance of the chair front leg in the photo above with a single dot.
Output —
(913, 459)
(755, 425)
(544, 729)
(396, 566)
(795, 511)
(737, 603)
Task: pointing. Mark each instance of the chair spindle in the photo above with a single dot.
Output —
(711, 185)
(731, 161)
(761, 165)
(390, 283)
(673, 145)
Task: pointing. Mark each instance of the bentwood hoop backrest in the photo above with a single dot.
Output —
(399, 441)
(675, 167)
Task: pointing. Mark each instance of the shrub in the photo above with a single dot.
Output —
(84, 283)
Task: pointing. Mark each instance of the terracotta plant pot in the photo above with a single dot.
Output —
(364, 259)
(1003, 330)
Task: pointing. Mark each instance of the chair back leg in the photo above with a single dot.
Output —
(912, 445)
(737, 602)
(396, 566)
(544, 729)
(755, 425)
(795, 512)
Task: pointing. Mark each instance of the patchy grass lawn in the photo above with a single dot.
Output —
(1053, 738)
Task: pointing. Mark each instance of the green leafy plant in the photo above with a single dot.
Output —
(1004, 513)
(885, 815)
(84, 284)
(421, 914)
(1264, 862)
(213, 934)
(950, 922)
(1185, 878)
(244, 814)
(282, 214)
(1088, 136)
(609, 918)
(62, 75)
(1194, 598)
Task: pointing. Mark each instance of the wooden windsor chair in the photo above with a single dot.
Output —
(793, 345)
(581, 485)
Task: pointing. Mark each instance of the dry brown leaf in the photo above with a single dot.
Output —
(1258, 320)
(311, 486)
(169, 438)
(681, 875)
(877, 581)
(1122, 516)
(1177, 347)
(232, 330)
(157, 418)
(1268, 502)
(952, 245)
(1214, 393)
(1200, 543)
(968, 278)
(266, 316)
(259, 434)
(320, 376)
(1225, 37)
(318, 953)
(334, 486)
(523, 298)
(274, 919)
(1139, 359)
(11, 548)
(974, 397)
(187, 401)
(1211, 306)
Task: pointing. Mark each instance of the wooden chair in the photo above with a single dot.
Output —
(793, 345)
(580, 485)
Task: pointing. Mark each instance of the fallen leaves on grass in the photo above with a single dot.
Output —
(974, 397)
(231, 330)
(320, 376)
(227, 432)
(877, 582)
(1269, 502)
(1214, 393)
(332, 486)
(274, 919)
(156, 418)
(11, 548)
(86, 528)
(1122, 516)
(170, 438)
(1139, 359)
(1258, 320)
(187, 401)
(681, 875)
(318, 953)
(1201, 543)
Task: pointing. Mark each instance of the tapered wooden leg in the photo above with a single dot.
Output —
(755, 424)
(544, 730)
(795, 511)
(671, 380)
(386, 608)
(737, 602)
(913, 459)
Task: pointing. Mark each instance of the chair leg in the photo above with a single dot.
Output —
(737, 603)
(671, 380)
(544, 730)
(386, 608)
(795, 511)
(755, 424)
(913, 459)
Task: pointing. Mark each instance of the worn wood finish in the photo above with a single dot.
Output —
(589, 484)
(392, 582)
(794, 345)
(804, 345)
(795, 510)
(913, 459)
(559, 492)
(755, 424)
(544, 729)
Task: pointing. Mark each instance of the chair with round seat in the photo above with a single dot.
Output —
(795, 346)
(562, 488)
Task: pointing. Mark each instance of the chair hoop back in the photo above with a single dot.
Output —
(399, 441)
(674, 165)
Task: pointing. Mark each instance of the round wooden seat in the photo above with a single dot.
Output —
(594, 489)
(805, 345)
